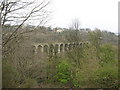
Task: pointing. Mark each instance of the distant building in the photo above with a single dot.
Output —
(59, 30)
(82, 29)
(88, 29)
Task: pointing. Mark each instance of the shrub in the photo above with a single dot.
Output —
(63, 72)
(79, 80)
(9, 75)
(107, 53)
(30, 83)
(106, 77)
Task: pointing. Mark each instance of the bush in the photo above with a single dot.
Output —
(9, 75)
(106, 77)
(63, 72)
(30, 83)
(79, 79)
(107, 53)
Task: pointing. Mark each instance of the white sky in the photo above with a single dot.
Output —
(102, 14)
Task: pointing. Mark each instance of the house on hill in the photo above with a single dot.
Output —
(59, 30)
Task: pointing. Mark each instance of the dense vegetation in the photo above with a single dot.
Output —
(92, 66)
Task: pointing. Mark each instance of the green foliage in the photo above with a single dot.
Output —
(30, 83)
(63, 72)
(106, 76)
(79, 79)
(9, 75)
(95, 40)
(95, 37)
(107, 53)
(76, 56)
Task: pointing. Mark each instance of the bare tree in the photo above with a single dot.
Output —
(16, 52)
(74, 33)
(75, 24)
(19, 12)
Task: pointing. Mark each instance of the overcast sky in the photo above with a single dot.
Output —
(102, 14)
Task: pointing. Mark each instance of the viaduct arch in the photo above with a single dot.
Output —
(55, 47)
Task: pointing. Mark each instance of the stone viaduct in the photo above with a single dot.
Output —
(55, 47)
